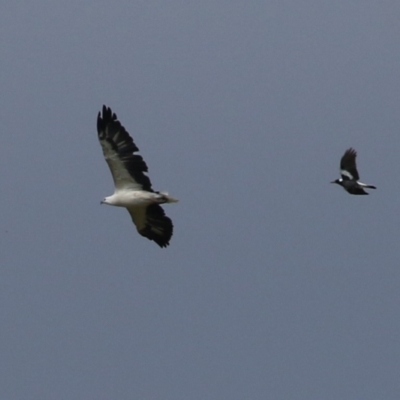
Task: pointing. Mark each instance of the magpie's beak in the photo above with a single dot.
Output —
(333, 182)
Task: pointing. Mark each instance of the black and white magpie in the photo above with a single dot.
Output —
(348, 171)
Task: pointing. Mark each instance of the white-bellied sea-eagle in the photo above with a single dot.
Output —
(132, 185)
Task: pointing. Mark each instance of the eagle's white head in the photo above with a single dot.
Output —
(106, 200)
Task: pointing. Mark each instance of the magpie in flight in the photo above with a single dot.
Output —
(348, 171)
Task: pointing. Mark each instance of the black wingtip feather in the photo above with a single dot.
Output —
(159, 227)
(104, 118)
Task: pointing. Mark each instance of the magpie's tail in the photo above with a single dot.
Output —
(365, 186)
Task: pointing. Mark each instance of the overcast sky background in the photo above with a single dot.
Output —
(276, 285)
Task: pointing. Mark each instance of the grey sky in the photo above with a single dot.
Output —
(276, 285)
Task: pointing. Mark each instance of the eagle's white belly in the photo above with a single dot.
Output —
(131, 198)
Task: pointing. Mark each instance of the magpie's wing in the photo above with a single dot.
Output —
(348, 168)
